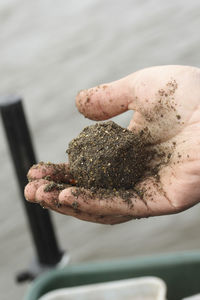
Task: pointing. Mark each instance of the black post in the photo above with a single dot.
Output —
(22, 153)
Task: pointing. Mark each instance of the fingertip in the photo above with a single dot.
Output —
(31, 188)
(68, 196)
(29, 193)
(104, 101)
(37, 171)
(31, 172)
(87, 104)
(54, 172)
(47, 197)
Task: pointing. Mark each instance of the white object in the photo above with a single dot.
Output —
(144, 288)
(195, 297)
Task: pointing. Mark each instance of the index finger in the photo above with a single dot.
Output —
(53, 172)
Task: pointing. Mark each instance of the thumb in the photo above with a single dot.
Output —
(107, 100)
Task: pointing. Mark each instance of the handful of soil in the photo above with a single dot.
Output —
(105, 155)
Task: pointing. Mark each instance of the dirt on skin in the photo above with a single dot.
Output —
(106, 156)
(52, 186)
(108, 160)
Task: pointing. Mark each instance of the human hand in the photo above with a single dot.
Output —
(165, 99)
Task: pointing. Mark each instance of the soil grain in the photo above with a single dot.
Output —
(105, 155)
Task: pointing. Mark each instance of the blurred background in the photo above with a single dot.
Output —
(49, 50)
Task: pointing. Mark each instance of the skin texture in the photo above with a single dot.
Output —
(166, 99)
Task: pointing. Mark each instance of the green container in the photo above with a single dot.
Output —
(180, 271)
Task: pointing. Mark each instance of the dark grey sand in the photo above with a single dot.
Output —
(106, 155)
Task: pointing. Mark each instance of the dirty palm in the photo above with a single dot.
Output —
(166, 125)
